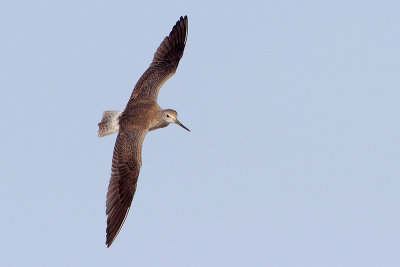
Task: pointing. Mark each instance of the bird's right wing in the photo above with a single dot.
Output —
(126, 163)
(164, 64)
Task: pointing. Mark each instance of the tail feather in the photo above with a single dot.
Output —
(109, 123)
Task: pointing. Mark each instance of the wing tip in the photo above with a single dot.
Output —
(112, 232)
(175, 41)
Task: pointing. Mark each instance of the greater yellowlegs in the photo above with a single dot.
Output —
(141, 115)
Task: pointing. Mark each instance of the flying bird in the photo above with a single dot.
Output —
(141, 115)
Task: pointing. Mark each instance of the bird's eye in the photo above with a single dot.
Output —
(167, 116)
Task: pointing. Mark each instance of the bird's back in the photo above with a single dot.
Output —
(142, 113)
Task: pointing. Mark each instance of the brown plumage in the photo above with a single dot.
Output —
(142, 114)
(164, 64)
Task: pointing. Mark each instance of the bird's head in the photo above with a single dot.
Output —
(171, 116)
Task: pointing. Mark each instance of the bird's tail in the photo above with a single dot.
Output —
(109, 123)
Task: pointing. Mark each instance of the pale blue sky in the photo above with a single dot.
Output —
(293, 158)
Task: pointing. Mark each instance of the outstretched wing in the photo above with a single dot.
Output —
(164, 64)
(126, 163)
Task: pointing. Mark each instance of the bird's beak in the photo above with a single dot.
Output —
(183, 126)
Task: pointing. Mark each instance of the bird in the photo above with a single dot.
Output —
(141, 115)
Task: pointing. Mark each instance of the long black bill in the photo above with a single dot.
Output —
(183, 126)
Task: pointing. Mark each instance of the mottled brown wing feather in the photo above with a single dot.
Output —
(126, 163)
(164, 64)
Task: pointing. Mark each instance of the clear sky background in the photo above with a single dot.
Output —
(293, 158)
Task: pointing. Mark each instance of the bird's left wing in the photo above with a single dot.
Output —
(164, 64)
(126, 163)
